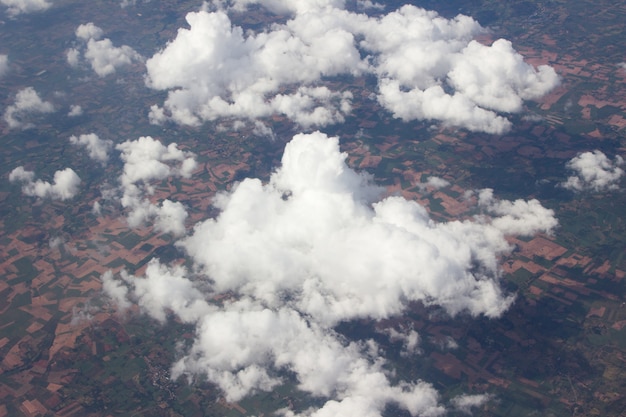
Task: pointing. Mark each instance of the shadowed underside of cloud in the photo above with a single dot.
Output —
(427, 67)
(594, 171)
(315, 246)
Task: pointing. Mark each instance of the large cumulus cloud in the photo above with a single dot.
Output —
(315, 246)
(426, 67)
(214, 70)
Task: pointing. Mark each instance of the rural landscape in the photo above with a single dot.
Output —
(69, 348)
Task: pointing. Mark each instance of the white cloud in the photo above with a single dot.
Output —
(314, 247)
(75, 111)
(427, 67)
(22, 175)
(496, 77)
(89, 31)
(127, 3)
(518, 217)
(594, 171)
(96, 210)
(73, 57)
(169, 216)
(369, 5)
(145, 160)
(103, 57)
(410, 340)
(288, 6)
(4, 65)
(327, 232)
(98, 148)
(27, 103)
(465, 403)
(64, 187)
(116, 291)
(434, 182)
(56, 242)
(214, 70)
(16, 7)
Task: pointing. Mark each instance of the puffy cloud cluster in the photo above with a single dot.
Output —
(217, 71)
(98, 148)
(518, 217)
(101, 54)
(594, 171)
(145, 160)
(64, 187)
(16, 7)
(427, 67)
(313, 247)
(27, 103)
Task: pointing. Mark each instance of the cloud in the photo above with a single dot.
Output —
(314, 220)
(22, 175)
(287, 7)
(518, 217)
(465, 403)
(103, 57)
(594, 171)
(496, 77)
(89, 31)
(73, 57)
(145, 160)
(75, 111)
(98, 148)
(64, 187)
(169, 216)
(217, 71)
(410, 340)
(427, 67)
(313, 247)
(27, 103)
(4, 65)
(434, 183)
(16, 7)
(127, 3)
(430, 68)
(369, 5)
(116, 291)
